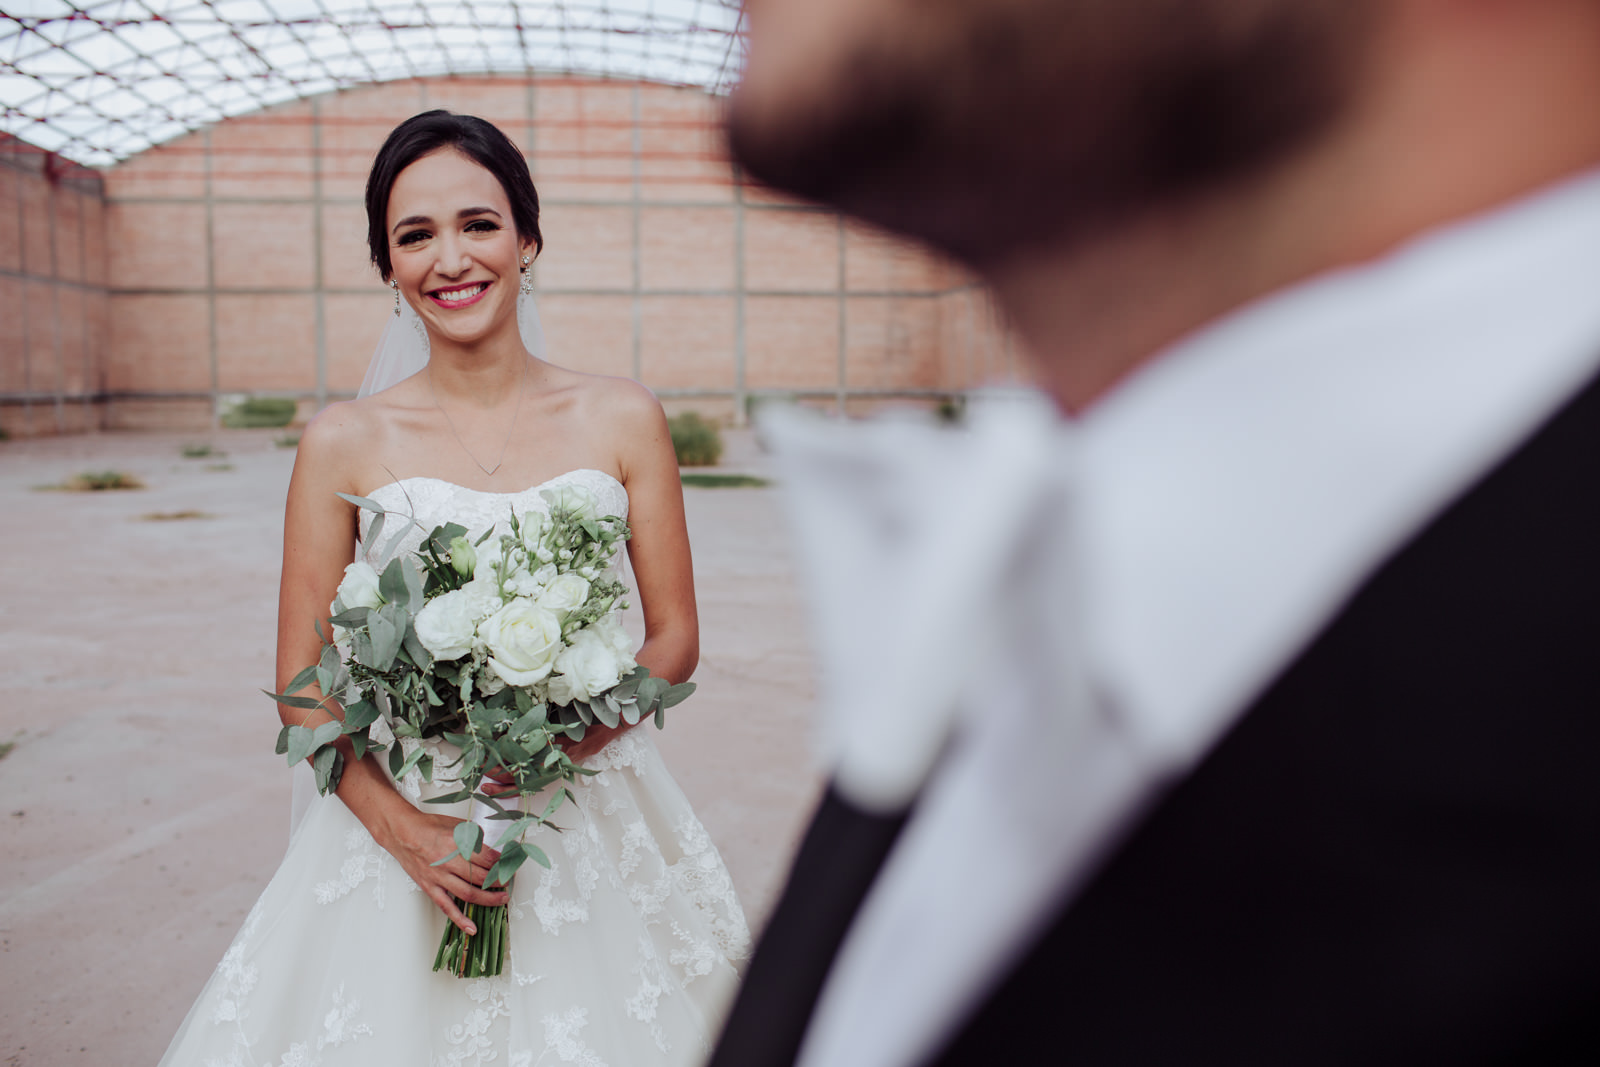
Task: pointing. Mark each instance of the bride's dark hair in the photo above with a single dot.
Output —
(474, 138)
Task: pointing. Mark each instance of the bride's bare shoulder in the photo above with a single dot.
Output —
(343, 436)
(598, 397)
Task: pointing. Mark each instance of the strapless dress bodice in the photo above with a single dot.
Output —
(433, 501)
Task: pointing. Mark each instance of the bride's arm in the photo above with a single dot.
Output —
(319, 532)
(659, 547)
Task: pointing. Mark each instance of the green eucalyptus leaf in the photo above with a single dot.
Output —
(388, 551)
(408, 762)
(677, 694)
(528, 723)
(425, 765)
(300, 743)
(630, 713)
(301, 680)
(397, 757)
(359, 743)
(329, 766)
(536, 854)
(362, 502)
(468, 837)
(604, 711)
(555, 802)
(375, 531)
(282, 747)
(327, 732)
(451, 798)
(420, 656)
(307, 703)
(351, 619)
(413, 576)
(392, 583)
(482, 537)
(385, 641)
(511, 858)
(360, 715)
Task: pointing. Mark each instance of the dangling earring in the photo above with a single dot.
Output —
(527, 279)
(396, 287)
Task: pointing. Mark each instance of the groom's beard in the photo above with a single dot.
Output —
(986, 127)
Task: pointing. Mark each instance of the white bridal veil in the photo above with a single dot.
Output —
(402, 351)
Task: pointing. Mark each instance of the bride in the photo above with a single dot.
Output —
(625, 951)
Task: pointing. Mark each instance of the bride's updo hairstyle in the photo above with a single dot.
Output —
(474, 138)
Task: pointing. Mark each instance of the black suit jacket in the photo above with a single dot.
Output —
(1392, 858)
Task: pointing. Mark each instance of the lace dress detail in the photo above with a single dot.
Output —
(626, 951)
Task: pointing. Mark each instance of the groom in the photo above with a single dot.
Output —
(1314, 777)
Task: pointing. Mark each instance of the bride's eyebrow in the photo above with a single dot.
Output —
(464, 213)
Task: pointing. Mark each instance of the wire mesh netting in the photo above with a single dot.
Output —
(99, 80)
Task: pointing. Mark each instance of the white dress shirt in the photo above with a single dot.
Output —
(1073, 615)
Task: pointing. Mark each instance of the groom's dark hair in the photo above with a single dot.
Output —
(474, 138)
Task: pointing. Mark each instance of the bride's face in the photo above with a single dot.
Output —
(453, 247)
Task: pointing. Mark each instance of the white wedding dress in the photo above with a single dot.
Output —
(625, 952)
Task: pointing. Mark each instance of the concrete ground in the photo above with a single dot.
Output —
(141, 806)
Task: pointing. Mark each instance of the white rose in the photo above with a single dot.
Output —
(575, 500)
(358, 588)
(609, 629)
(585, 668)
(523, 640)
(447, 624)
(564, 595)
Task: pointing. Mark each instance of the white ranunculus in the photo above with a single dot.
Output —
(488, 561)
(575, 500)
(522, 583)
(609, 628)
(484, 594)
(585, 668)
(359, 587)
(564, 595)
(447, 625)
(534, 525)
(523, 640)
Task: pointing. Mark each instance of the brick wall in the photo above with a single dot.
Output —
(235, 262)
(52, 292)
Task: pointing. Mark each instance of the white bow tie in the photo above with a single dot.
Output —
(933, 555)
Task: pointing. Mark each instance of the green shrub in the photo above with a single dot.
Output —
(723, 481)
(96, 481)
(200, 451)
(696, 441)
(256, 412)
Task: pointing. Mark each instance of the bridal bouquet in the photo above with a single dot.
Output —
(500, 648)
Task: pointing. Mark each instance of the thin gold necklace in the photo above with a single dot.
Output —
(521, 388)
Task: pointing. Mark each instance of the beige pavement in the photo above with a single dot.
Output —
(141, 807)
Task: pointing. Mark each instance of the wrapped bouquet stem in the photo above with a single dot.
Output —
(504, 647)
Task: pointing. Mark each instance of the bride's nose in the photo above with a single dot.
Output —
(453, 259)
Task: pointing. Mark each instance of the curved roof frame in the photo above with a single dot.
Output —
(99, 80)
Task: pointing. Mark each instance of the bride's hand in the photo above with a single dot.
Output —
(420, 841)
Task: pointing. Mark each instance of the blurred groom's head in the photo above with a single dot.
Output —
(988, 127)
